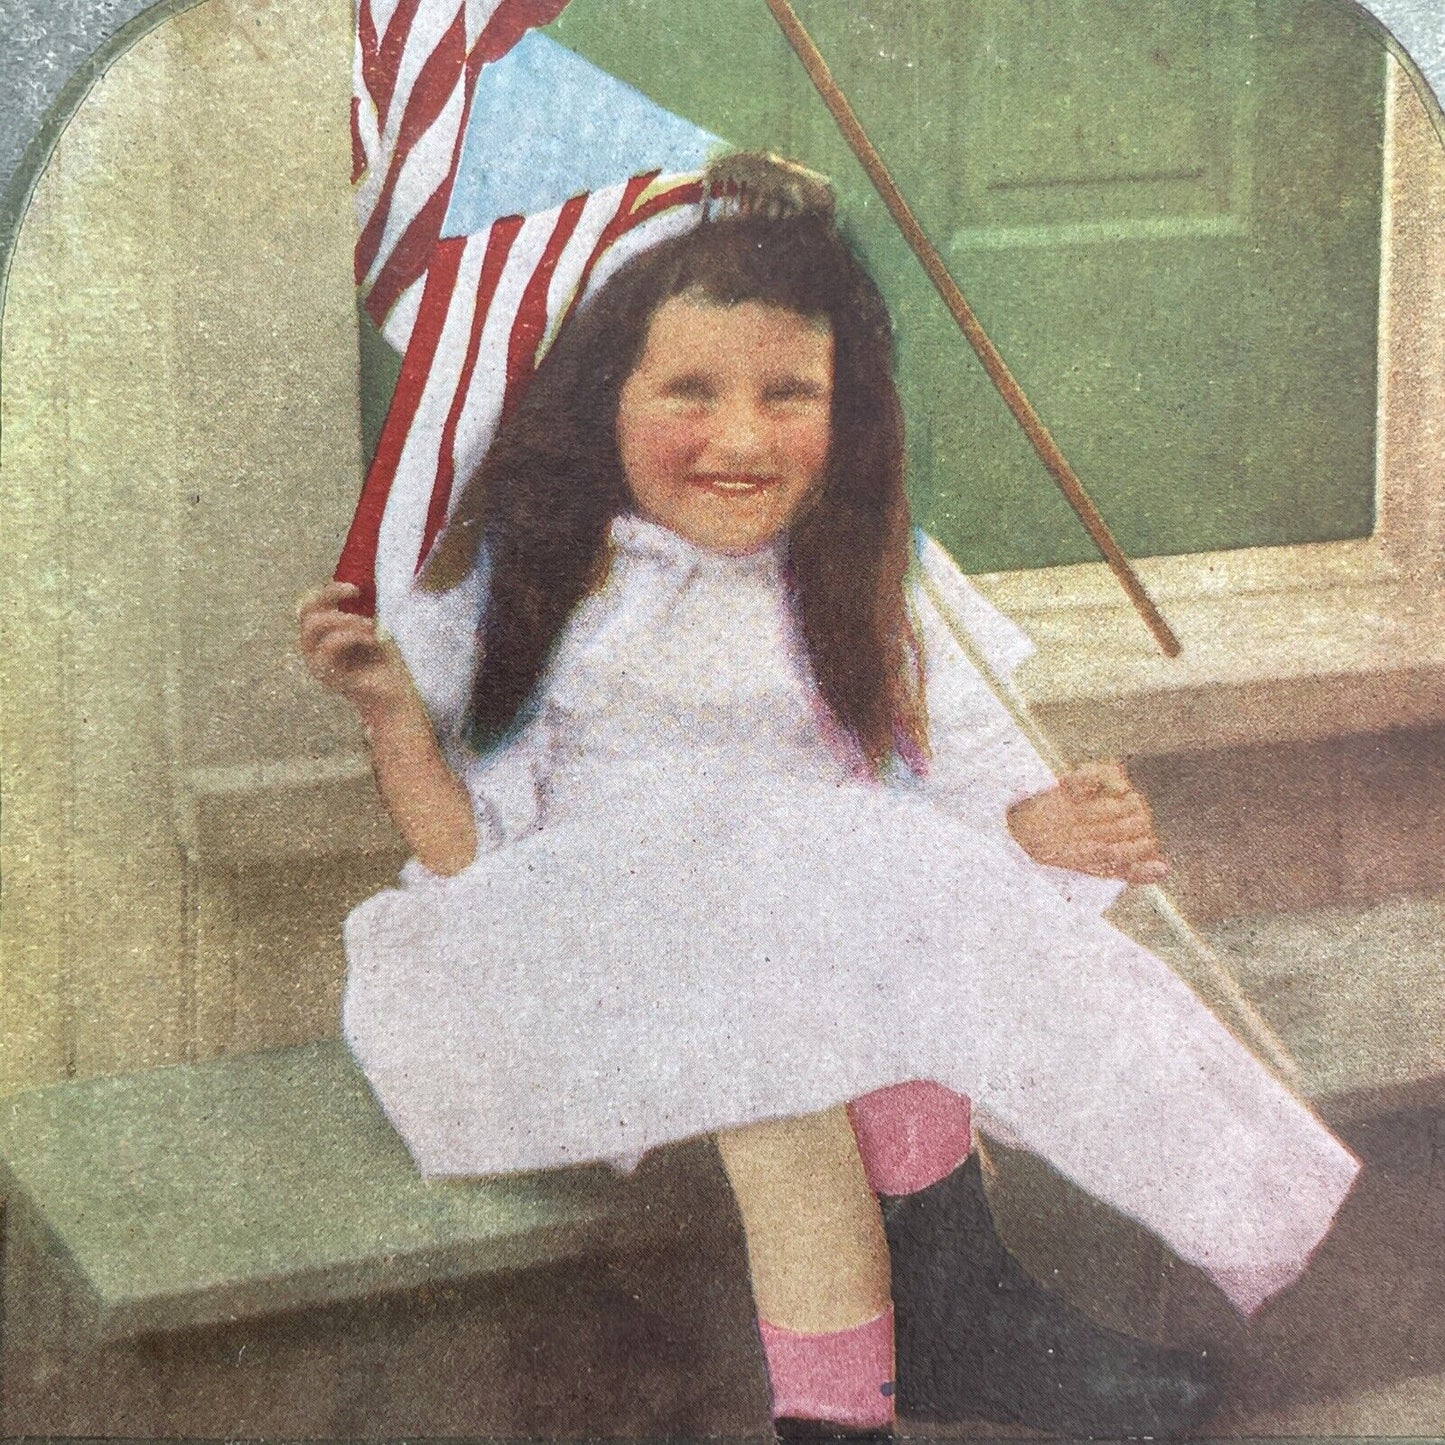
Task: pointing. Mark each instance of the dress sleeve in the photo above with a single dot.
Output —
(437, 635)
(982, 762)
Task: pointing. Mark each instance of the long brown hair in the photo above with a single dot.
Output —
(544, 497)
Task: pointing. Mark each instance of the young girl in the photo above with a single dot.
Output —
(723, 834)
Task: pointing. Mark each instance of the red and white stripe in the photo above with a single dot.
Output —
(415, 69)
(485, 309)
(470, 315)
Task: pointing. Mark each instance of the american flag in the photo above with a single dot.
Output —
(466, 289)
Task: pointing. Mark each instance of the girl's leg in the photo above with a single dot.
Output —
(976, 1336)
(820, 1269)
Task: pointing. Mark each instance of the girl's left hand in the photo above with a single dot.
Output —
(1096, 822)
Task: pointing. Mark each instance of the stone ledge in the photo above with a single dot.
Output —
(1279, 644)
(203, 1194)
(1286, 644)
(258, 814)
(1357, 992)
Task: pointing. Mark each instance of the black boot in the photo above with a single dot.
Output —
(789, 1428)
(977, 1338)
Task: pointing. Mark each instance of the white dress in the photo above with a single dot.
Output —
(689, 912)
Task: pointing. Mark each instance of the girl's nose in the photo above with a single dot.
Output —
(739, 428)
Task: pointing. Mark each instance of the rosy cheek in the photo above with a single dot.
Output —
(675, 442)
(653, 444)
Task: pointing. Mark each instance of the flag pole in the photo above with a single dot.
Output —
(988, 354)
(1201, 967)
(1208, 972)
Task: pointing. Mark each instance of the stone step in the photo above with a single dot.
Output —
(207, 1193)
(1357, 993)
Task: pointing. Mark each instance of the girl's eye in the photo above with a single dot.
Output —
(689, 388)
(786, 392)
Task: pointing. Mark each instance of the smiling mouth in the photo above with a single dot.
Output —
(735, 486)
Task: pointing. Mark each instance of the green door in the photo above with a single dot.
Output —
(1166, 213)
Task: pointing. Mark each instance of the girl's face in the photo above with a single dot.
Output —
(723, 427)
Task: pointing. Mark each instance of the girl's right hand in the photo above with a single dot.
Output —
(348, 654)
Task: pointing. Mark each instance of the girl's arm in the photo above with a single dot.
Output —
(429, 804)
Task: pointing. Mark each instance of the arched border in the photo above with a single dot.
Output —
(15, 200)
(1422, 83)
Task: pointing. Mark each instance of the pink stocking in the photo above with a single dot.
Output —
(844, 1376)
(911, 1135)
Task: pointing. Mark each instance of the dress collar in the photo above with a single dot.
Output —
(635, 536)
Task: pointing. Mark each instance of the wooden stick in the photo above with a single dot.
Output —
(993, 363)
